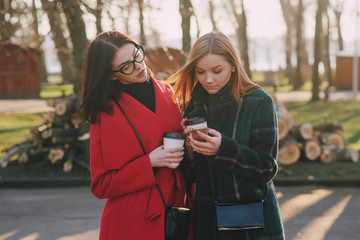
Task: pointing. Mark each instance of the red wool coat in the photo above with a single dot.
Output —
(121, 172)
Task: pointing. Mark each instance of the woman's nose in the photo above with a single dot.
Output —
(138, 65)
(209, 78)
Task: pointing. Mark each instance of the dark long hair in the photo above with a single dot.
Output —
(97, 87)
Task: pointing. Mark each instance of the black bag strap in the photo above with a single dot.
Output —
(212, 182)
(132, 126)
(141, 144)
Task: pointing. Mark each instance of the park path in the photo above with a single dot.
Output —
(39, 105)
(308, 212)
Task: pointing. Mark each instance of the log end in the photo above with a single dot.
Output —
(312, 150)
(289, 154)
(306, 130)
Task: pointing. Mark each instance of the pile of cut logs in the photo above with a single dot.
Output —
(62, 139)
(305, 141)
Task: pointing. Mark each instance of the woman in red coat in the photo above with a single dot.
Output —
(120, 171)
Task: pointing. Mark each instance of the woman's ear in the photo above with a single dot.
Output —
(113, 77)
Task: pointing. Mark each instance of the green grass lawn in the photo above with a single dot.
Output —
(15, 128)
(346, 113)
(52, 90)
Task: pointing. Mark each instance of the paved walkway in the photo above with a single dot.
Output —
(39, 105)
(308, 212)
(26, 105)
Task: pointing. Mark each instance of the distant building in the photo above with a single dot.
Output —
(19, 71)
(163, 61)
(344, 71)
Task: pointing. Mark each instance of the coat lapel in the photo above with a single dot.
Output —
(151, 127)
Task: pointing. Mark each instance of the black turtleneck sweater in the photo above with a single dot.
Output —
(143, 92)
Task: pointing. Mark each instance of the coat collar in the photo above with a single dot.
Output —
(200, 95)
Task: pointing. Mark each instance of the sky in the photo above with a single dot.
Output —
(265, 18)
(265, 22)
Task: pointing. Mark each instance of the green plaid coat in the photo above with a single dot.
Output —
(244, 166)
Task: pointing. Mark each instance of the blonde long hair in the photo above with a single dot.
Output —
(184, 80)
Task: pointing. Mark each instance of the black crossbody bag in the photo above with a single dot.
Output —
(236, 215)
(177, 219)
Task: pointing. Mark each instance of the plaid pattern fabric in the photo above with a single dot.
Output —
(244, 166)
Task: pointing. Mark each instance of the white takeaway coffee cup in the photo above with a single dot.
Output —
(173, 140)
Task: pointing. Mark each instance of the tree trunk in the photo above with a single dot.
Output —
(245, 46)
(298, 81)
(62, 49)
(186, 13)
(38, 42)
(241, 33)
(125, 15)
(211, 14)
(317, 50)
(98, 15)
(326, 56)
(4, 9)
(78, 37)
(338, 9)
(289, 17)
(141, 21)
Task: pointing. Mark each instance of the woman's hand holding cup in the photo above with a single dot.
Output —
(169, 158)
(209, 144)
(171, 153)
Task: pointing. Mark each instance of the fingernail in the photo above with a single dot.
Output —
(196, 131)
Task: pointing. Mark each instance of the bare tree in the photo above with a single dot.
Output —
(111, 18)
(38, 40)
(125, 13)
(338, 10)
(317, 49)
(211, 14)
(36, 36)
(3, 33)
(298, 81)
(78, 37)
(186, 11)
(295, 38)
(141, 21)
(8, 28)
(97, 12)
(289, 17)
(62, 49)
(241, 33)
(326, 51)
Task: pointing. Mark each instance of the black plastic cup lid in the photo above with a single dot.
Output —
(194, 120)
(175, 135)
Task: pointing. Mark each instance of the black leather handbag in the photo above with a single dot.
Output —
(177, 219)
(236, 215)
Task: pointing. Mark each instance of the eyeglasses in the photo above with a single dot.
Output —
(129, 67)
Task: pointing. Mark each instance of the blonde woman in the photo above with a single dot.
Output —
(236, 161)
